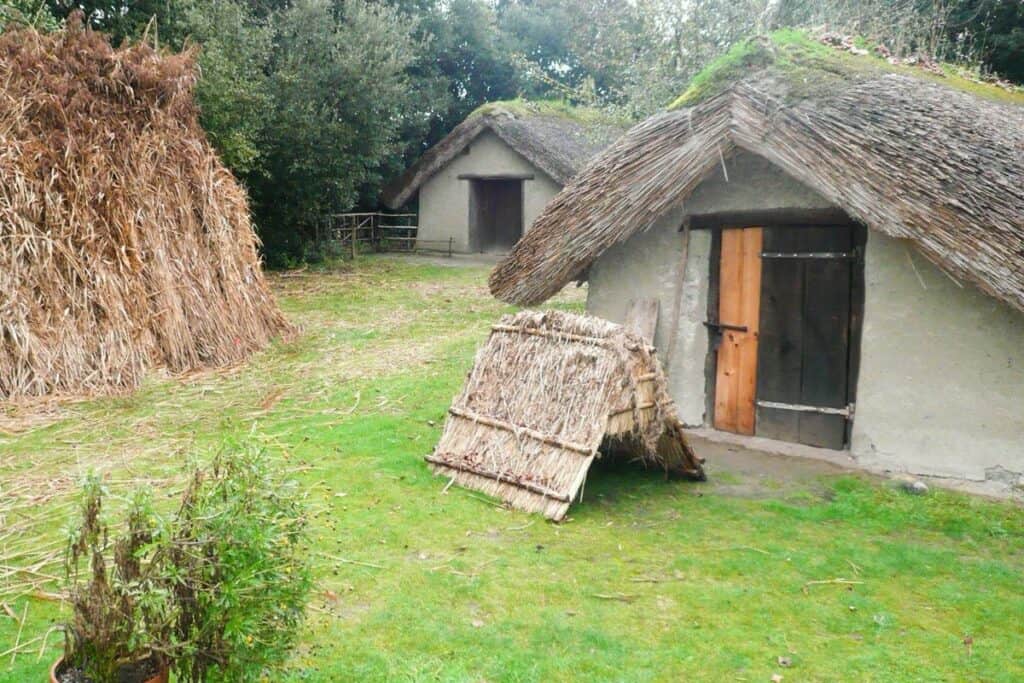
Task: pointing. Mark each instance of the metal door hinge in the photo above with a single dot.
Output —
(846, 411)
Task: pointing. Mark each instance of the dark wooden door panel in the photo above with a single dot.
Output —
(780, 342)
(805, 332)
(826, 335)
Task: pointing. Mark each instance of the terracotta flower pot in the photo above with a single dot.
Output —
(160, 677)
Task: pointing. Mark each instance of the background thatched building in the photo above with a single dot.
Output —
(836, 245)
(124, 243)
(488, 179)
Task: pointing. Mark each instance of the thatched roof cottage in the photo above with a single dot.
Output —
(836, 247)
(492, 175)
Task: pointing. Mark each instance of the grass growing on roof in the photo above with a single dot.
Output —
(550, 107)
(809, 66)
(647, 581)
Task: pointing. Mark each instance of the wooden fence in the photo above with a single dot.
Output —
(375, 231)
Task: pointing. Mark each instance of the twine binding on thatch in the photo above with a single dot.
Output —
(546, 392)
(124, 242)
(908, 157)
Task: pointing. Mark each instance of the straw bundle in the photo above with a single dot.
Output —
(547, 390)
(124, 243)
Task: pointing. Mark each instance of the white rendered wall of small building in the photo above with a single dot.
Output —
(444, 198)
(941, 383)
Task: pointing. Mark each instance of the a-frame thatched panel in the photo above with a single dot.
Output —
(546, 391)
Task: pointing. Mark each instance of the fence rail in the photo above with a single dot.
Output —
(377, 231)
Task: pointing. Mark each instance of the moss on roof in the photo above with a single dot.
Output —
(809, 67)
(550, 108)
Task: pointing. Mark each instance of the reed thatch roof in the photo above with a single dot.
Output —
(124, 242)
(903, 151)
(559, 140)
(547, 390)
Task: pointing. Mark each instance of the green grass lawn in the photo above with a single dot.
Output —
(647, 580)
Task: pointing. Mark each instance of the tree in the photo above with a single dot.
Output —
(991, 32)
(585, 50)
(339, 94)
(27, 12)
(234, 51)
(462, 61)
(121, 19)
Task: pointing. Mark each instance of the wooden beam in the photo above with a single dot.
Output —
(496, 176)
(516, 429)
(767, 218)
(642, 318)
(564, 336)
(486, 474)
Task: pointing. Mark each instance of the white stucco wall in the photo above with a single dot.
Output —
(444, 199)
(941, 384)
(649, 265)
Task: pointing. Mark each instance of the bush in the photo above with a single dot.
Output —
(217, 591)
(241, 578)
(123, 613)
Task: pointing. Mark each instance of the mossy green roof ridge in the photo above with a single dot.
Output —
(809, 67)
(550, 108)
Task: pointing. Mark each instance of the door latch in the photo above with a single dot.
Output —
(718, 327)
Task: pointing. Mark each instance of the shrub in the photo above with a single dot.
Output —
(241, 579)
(122, 613)
(217, 591)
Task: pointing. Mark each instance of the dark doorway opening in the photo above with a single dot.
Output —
(495, 214)
(803, 317)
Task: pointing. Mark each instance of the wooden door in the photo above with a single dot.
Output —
(739, 300)
(803, 381)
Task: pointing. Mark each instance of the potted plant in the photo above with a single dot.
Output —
(215, 592)
(121, 612)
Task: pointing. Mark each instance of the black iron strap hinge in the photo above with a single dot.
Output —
(856, 255)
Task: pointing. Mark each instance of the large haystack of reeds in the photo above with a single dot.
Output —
(124, 242)
(548, 394)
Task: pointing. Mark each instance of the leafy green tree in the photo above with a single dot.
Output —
(27, 12)
(992, 32)
(462, 61)
(340, 94)
(122, 19)
(234, 50)
(586, 50)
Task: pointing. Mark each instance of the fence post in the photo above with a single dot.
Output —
(450, 247)
(355, 232)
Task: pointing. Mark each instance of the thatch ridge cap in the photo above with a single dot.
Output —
(797, 61)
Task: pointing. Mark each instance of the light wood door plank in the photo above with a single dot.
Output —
(750, 304)
(728, 310)
(739, 305)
